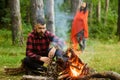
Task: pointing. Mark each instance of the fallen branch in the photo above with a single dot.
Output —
(63, 76)
(108, 74)
(31, 77)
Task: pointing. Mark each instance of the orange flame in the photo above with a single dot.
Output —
(75, 67)
(76, 72)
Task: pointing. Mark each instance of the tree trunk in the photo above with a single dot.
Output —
(50, 15)
(37, 10)
(106, 11)
(75, 5)
(99, 11)
(118, 24)
(16, 22)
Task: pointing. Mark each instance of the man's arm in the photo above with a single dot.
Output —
(57, 41)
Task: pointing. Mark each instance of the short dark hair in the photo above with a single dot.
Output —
(41, 21)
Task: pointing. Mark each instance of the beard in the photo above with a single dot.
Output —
(41, 34)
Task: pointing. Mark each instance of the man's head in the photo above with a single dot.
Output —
(40, 27)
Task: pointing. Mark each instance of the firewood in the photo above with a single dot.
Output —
(31, 77)
(63, 76)
(108, 74)
(14, 71)
(100, 76)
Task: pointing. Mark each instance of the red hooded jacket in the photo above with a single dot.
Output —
(79, 23)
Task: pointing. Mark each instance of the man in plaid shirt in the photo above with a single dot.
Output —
(38, 49)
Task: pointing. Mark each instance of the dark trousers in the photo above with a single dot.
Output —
(81, 40)
(33, 64)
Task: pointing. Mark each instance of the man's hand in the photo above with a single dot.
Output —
(45, 59)
(52, 53)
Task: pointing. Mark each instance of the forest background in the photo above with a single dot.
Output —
(103, 46)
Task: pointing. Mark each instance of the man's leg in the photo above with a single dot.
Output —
(61, 55)
(33, 65)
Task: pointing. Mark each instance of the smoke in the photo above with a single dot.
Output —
(60, 43)
(61, 21)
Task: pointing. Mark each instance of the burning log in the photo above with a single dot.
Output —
(74, 67)
(63, 76)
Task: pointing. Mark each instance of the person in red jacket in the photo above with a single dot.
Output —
(79, 31)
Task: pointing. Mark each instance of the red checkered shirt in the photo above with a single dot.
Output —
(38, 46)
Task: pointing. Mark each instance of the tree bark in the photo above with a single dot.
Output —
(106, 11)
(37, 10)
(50, 15)
(75, 5)
(99, 11)
(118, 23)
(16, 22)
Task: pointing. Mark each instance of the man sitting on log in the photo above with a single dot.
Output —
(38, 51)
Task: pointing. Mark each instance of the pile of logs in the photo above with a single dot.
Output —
(76, 64)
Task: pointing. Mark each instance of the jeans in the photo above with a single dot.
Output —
(81, 40)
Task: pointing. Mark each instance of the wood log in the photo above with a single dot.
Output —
(63, 76)
(14, 71)
(108, 74)
(32, 77)
(94, 76)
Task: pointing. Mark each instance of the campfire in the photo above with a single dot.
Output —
(74, 68)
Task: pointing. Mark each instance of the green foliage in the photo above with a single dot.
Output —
(6, 18)
(27, 28)
(66, 6)
(6, 48)
(102, 31)
(25, 9)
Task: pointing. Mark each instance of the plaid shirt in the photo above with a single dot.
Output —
(38, 46)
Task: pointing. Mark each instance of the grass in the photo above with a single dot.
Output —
(100, 56)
